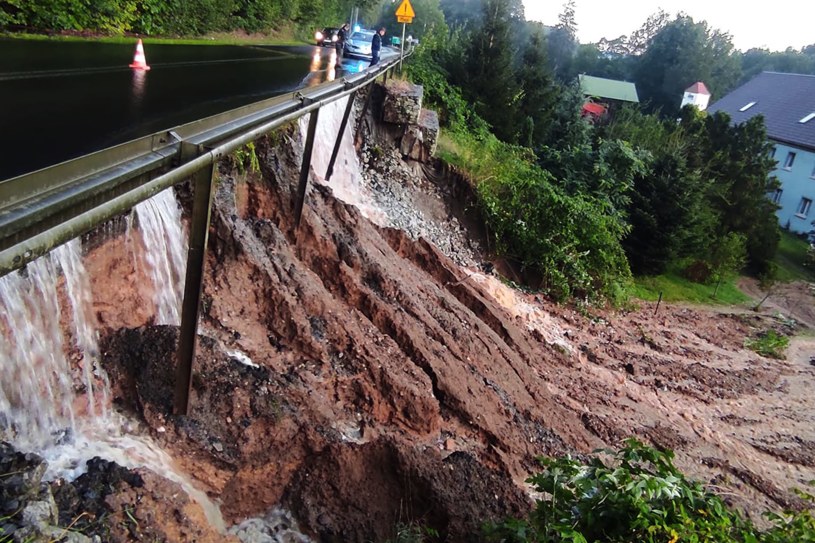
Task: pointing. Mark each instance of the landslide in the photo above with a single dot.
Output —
(362, 379)
(387, 388)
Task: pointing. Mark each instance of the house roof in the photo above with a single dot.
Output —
(608, 88)
(595, 109)
(783, 99)
(698, 88)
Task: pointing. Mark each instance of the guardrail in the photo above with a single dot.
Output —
(41, 210)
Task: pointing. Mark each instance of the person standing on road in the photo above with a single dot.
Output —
(342, 33)
(376, 45)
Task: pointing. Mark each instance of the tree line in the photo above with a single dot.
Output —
(581, 206)
(578, 206)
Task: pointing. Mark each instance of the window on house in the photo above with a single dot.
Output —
(748, 106)
(777, 195)
(772, 152)
(803, 207)
(790, 159)
(812, 175)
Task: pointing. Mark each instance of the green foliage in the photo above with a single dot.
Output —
(426, 69)
(569, 243)
(727, 257)
(637, 494)
(246, 159)
(680, 53)
(770, 344)
(170, 17)
(489, 79)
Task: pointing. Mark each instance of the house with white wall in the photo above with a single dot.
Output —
(696, 95)
(787, 103)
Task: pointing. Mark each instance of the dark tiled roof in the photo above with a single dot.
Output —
(783, 99)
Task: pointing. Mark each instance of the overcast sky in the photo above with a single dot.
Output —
(774, 25)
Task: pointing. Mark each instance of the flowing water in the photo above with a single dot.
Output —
(163, 252)
(346, 181)
(54, 396)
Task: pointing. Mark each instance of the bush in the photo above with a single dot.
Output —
(570, 242)
(770, 344)
(639, 495)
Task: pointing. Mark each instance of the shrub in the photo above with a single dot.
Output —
(770, 344)
(639, 495)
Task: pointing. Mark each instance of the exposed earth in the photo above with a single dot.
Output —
(360, 377)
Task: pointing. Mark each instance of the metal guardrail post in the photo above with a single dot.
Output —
(304, 168)
(199, 232)
(330, 171)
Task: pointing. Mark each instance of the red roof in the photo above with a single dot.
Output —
(698, 88)
(590, 108)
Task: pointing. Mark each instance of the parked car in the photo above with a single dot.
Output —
(359, 44)
(326, 37)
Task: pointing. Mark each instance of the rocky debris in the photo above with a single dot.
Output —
(277, 526)
(403, 102)
(28, 511)
(419, 141)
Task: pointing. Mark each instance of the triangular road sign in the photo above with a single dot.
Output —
(405, 10)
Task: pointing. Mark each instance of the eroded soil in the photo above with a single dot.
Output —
(362, 379)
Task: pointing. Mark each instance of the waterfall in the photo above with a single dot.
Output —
(164, 253)
(346, 181)
(54, 396)
(44, 368)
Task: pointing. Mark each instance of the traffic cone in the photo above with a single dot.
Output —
(139, 61)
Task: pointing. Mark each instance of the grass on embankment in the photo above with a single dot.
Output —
(287, 37)
(676, 288)
(791, 258)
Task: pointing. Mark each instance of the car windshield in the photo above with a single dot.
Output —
(363, 36)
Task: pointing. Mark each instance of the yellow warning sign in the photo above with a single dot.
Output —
(403, 19)
(405, 11)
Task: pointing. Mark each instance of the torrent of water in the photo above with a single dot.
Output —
(346, 181)
(54, 396)
(163, 253)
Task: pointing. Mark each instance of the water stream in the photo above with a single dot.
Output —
(346, 181)
(54, 396)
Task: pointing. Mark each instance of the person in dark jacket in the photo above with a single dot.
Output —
(342, 33)
(376, 45)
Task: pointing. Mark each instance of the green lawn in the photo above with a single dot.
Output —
(790, 258)
(210, 39)
(676, 288)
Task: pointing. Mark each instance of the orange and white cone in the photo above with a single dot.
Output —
(139, 60)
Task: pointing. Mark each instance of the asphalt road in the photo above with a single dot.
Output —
(61, 100)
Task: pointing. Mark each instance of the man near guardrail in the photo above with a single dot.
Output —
(342, 33)
(376, 45)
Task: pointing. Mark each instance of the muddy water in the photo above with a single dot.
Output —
(346, 180)
(54, 396)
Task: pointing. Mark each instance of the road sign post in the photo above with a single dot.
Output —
(404, 15)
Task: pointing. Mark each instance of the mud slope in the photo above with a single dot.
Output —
(362, 379)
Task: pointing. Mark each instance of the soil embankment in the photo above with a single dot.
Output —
(362, 379)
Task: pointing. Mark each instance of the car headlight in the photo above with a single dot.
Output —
(334, 37)
(318, 35)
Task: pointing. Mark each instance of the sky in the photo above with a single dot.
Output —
(773, 25)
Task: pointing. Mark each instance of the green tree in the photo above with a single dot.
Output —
(669, 212)
(539, 95)
(562, 43)
(736, 160)
(490, 78)
(681, 53)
